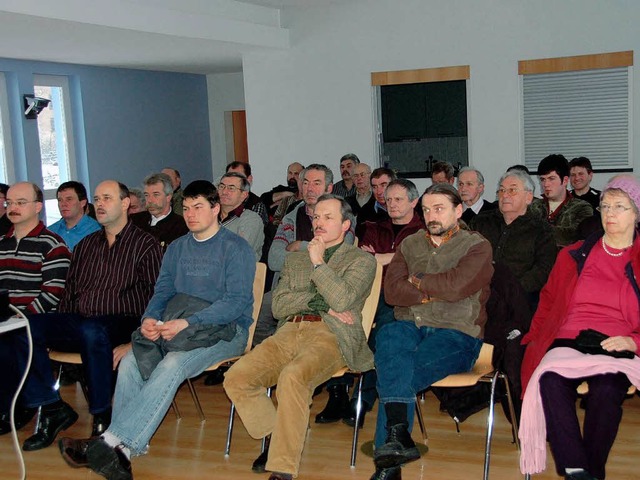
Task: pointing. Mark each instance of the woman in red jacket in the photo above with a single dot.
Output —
(592, 286)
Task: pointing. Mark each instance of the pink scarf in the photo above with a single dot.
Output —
(570, 364)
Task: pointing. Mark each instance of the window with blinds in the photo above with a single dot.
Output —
(577, 111)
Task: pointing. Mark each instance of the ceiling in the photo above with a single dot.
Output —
(193, 36)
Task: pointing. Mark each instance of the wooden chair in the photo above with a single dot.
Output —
(368, 315)
(482, 371)
(258, 293)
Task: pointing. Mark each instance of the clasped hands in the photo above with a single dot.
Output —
(153, 329)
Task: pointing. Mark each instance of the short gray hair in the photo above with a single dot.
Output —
(245, 186)
(139, 195)
(162, 178)
(524, 177)
(408, 185)
(328, 174)
(475, 170)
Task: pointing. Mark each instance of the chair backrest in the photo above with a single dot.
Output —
(371, 304)
(258, 293)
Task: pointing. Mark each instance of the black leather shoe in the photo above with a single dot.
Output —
(280, 476)
(337, 406)
(350, 417)
(74, 451)
(22, 416)
(393, 473)
(582, 475)
(216, 377)
(101, 422)
(397, 450)
(51, 423)
(260, 463)
(110, 462)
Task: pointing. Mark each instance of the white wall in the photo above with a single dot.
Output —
(226, 93)
(312, 103)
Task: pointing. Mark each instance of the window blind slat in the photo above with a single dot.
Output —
(579, 113)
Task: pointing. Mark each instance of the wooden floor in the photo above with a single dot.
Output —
(187, 449)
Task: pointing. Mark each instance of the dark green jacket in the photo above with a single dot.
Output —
(526, 246)
(565, 223)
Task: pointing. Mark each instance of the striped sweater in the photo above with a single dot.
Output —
(34, 269)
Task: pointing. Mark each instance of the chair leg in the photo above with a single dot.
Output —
(56, 386)
(354, 443)
(425, 437)
(232, 411)
(176, 410)
(490, 419)
(196, 400)
(263, 444)
(512, 411)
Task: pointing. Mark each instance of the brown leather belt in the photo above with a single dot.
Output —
(305, 318)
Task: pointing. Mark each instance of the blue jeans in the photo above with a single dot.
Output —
(139, 406)
(410, 359)
(93, 337)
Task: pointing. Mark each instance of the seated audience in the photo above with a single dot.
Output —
(471, 188)
(138, 203)
(581, 174)
(520, 240)
(276, 195)
(346, 187)
(375, 209)
(438, 281)
(361, 176)
(592, 286)
(381, 239)
(234, 216)
(110, 281)
(443, 172)
(252, 202)
(74, 224)
(557, 205)
(159, 219)
(176, 182)
(318, 303)
(33, 267)
(199, 314)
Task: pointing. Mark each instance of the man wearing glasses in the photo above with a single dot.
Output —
(520, 240)
(109, 284)
(33, 267)
(233, 190)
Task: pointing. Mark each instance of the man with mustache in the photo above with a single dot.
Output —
(558, 206)
(109, 283)
(346, 187)
(159, 219)
(295, 231)
(33, 267)
(375, 210)
(74, 224)
(438, 281)
(318, 303)
(274, 197)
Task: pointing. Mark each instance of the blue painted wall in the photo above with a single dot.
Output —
(128, 123)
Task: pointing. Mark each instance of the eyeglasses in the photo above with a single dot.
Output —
(616, 209)
(19, 203)
(232, 188)
(511, 191)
